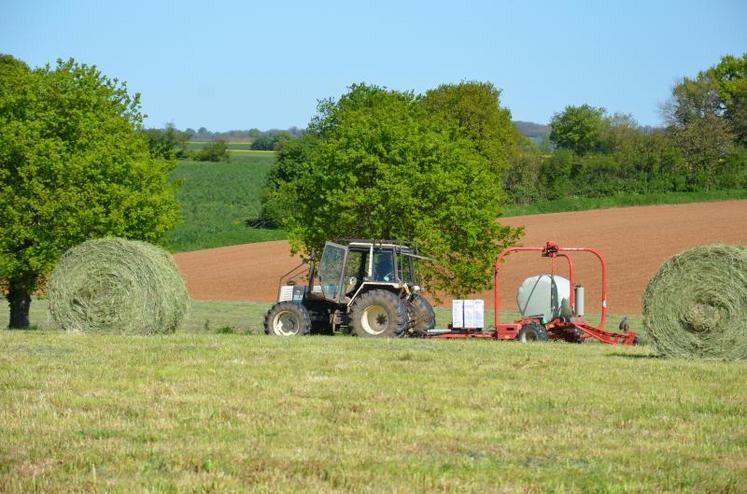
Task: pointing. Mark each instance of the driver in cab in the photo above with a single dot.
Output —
(383, 269)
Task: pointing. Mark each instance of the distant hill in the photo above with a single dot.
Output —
(532, 130)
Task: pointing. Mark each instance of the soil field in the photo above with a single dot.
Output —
(634, 241)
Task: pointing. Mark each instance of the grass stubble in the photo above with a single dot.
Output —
(202, 411)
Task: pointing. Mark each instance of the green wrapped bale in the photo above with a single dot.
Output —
(695, 306)
(117, 286)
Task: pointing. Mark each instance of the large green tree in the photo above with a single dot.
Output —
(706, 118)
(730, 81)
(581, 129)
(73, 166)
(378, 164)
(472, 110)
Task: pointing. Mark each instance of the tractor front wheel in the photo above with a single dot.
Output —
(287, 319)
(532, 332)
(378, 313)
(422, 316)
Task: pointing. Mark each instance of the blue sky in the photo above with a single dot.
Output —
(238, 65)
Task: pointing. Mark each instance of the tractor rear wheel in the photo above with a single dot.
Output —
(378, 313)
(532, 332)
(287, 319)
(422, 316)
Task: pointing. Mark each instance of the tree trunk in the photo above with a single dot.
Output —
(19, 300)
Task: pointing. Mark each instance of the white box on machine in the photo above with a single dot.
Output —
(468, 314)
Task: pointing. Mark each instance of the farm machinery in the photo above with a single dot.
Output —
(371, 287)
(551, 306)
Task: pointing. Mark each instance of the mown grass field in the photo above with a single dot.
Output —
(246, 317)
(247, 413)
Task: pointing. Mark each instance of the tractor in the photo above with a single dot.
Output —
(367, 286)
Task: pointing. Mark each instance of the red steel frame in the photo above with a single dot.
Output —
(572, 329)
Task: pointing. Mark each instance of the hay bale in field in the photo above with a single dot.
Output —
(112, 285)
(696, 304)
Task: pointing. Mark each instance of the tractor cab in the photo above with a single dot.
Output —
(369, 286)
(346, 270)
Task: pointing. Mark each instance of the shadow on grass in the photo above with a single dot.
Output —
(637, 355)
(32, 327)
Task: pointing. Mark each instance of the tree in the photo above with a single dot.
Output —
(730, 81)
(167, 143)
(521, 179)
(705, 144)
(473, 111)
(692, 100)
(729, 77)
(213, 151)
(378, 164)
(718, 92)
(272, 140)
(580, 129)
(73, 166)
(706, 118)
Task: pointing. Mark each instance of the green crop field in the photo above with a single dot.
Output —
(232, 146)
(218, 199)
(199, 411)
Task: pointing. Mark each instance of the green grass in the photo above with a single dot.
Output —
(236, 150)
(246, 317)
(217, 199)
(237, 413)
(232, 146)
(584, 203)
(243, 153)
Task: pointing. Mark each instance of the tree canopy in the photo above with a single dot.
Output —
(707, 119)
(473, 111)
(730, 81)
(74, 165)
(272, 140)
(167, 143)
(383, 164)
(579, 129)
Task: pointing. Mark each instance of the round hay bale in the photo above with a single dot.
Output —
(696, 304)
(113, 285)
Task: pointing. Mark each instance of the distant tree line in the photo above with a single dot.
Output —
(168, 143)
(594, 153)
(171, 143)
(272, 140)
(251, 135)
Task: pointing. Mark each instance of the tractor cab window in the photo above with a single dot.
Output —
(405, 269)
(383, 266)
(355, 270)
(331, 269)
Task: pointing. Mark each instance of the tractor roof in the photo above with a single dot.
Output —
(359, 242)
(399, 246)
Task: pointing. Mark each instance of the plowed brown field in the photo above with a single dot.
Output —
(634, 241)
